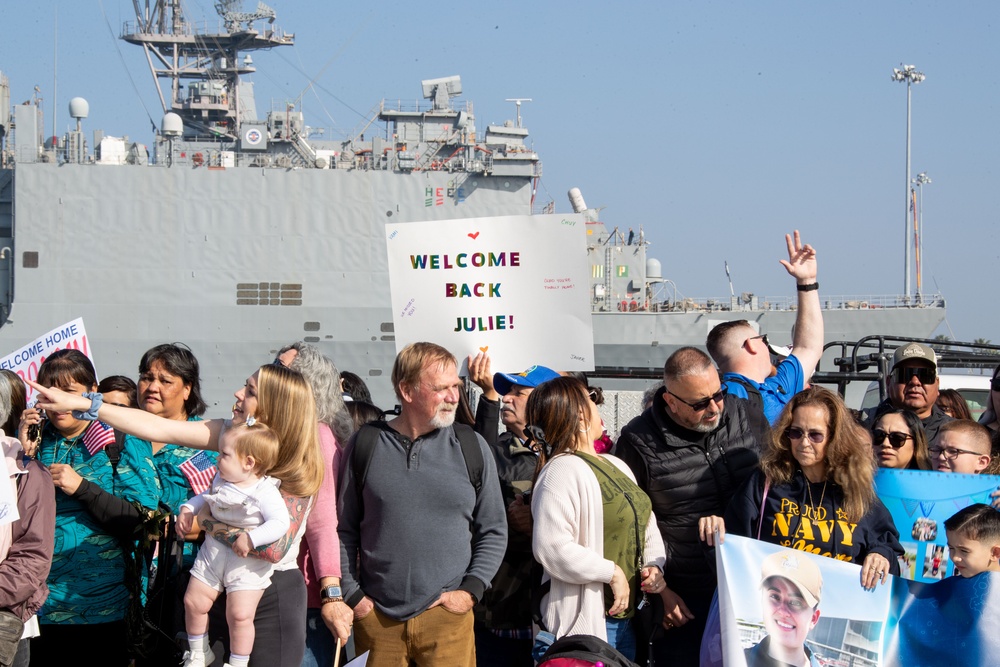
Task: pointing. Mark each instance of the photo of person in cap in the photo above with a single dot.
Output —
(913, 385)
(790, 588)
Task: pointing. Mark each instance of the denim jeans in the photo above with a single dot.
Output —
(621, 635)
(320, 642)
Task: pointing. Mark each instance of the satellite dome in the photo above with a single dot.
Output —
(172, 125)
(79, 108)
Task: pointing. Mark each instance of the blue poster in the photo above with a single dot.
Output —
(920, 501)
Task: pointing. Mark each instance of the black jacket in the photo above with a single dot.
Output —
(688, 475)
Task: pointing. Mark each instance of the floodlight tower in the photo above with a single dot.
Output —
(910, 75)
(919, 181)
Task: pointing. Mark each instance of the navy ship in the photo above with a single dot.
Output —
(237, 231)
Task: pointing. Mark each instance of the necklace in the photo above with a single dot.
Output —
(815, 508)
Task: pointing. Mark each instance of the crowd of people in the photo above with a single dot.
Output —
(312, 524)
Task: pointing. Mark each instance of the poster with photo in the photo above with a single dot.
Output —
(920, 501)
(778, 605)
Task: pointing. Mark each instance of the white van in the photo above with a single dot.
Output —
(975, 389)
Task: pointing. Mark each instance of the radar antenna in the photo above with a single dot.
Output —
(517, 101)
(227, 9)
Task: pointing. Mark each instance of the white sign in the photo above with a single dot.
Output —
(26, 361)
(513, 286)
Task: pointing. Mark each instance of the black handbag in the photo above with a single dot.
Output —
(11, 629)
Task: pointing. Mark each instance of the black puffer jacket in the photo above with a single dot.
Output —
(688, 475)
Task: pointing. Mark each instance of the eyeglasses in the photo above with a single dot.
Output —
(896, 438)
(925, 375)
(698, 406)
(815, 437)
(763, 337)
(995, 384)
(593, 395)
(950, 453)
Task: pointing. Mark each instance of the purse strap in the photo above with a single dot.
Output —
(763, 501)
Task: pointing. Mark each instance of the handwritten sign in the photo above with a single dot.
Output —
(514, 286)
(26, 361)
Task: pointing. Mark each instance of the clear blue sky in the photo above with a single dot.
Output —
(717, 126)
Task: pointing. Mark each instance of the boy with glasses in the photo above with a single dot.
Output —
(961, 446)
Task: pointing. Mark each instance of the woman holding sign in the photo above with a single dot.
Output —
(815, 491)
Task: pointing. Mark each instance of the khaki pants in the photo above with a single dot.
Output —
(436, 637)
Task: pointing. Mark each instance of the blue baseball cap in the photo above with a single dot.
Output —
(532, 377)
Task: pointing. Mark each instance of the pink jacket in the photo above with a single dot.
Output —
(320, 553)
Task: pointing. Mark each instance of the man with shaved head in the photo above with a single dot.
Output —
(689, 451)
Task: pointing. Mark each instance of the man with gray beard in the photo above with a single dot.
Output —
(690, 451)
(420, 542)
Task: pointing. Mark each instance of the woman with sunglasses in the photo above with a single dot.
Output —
(899, 442)
(991, 415)
(814, 491)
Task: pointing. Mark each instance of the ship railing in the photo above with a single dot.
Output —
(423, 106)
(204, 27)
(783, 303)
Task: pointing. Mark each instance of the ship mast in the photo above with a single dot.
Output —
(210, 106)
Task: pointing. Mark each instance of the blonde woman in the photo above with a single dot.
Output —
(282, 399)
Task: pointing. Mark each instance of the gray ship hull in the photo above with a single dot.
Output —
(152, 254)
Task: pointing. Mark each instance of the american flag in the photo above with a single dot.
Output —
(199, 472)
(98, 436)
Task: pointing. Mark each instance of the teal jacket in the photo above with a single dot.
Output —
(87, 579)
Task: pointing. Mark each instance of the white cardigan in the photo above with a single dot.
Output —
(568, 540)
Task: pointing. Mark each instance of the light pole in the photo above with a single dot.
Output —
(910, 75)
(919, 182)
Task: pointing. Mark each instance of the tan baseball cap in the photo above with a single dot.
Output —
(798, 568)
(911, 351)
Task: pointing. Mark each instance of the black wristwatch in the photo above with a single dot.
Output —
(331, 593)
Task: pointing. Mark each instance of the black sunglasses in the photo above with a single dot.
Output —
(763, 337)
(925, 375)
(896, 438)
(698, 406)
(815, 437)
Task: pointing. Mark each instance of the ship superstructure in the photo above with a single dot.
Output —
(239, 231)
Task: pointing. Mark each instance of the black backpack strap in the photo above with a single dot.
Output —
(114, 450)
(472, 453)
(364, 449)
(759, 424)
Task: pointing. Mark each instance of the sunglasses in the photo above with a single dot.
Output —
(763, 337)
(593, 395)
(794, 433)
(925, 375)
(698, 406)
(896, 438)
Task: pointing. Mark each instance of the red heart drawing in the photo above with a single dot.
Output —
(474, 236)
(483, 349)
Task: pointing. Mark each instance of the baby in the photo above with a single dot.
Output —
(974, 540)
(242, 497)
